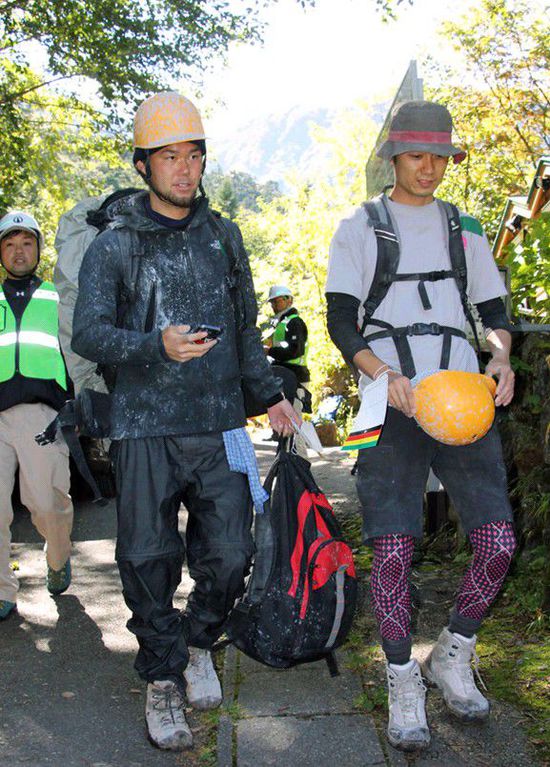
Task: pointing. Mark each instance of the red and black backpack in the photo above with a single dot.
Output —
(300, 598)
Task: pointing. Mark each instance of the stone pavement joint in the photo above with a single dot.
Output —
(298, 716)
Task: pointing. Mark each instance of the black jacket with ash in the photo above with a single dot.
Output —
(184, 277)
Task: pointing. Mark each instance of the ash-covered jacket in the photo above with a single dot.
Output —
(183, 277)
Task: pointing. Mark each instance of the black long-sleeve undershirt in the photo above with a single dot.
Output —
(342, 310)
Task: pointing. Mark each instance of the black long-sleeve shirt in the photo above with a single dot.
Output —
(342, 310)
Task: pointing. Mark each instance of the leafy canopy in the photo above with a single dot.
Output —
(504, 122)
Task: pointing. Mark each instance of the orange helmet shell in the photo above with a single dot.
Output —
(166, 118)
(455, 407)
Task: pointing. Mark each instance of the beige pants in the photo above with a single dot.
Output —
(44, 487)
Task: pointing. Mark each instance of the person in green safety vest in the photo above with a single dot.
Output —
(286, 345)
(33, 387)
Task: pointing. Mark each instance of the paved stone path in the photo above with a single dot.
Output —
(69, 696)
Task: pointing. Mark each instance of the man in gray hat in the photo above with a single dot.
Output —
(402, 271)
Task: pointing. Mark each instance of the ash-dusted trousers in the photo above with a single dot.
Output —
(44, 482)
(154, 476)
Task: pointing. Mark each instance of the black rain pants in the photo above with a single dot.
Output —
(154, 475)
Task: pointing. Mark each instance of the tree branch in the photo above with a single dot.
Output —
(11, 97)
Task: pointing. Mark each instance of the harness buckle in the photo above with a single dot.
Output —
(424, 329)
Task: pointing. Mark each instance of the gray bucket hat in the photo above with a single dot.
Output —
(420, 126)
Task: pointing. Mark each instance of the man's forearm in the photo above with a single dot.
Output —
(500, 343)
(369, 363)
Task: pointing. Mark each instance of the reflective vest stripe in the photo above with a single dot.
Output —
(32, 347)
(7, 339)
(48, 295)
(279, 341)
(37, 338)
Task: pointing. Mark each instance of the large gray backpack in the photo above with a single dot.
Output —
(76, 230)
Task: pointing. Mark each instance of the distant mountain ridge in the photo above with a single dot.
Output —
(269, 147)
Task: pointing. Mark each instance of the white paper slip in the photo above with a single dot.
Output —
(367, 425)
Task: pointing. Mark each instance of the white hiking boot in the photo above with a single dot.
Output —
(203, 686)
(407, 725)
(164, 713)
(449, 666)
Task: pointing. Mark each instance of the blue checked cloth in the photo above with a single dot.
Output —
(241, 457)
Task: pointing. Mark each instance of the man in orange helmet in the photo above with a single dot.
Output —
(166, 297)
(402, 271)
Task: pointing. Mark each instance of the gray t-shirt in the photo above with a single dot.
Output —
(423, 238)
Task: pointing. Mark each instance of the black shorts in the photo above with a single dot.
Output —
(391, 479)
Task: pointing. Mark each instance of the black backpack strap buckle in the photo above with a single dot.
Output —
(424, 329)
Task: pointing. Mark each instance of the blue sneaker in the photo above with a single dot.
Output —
(59, 581)
(6, 608)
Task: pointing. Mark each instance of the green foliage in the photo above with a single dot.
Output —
(129, 49)
(289, 239)
(247, 191)
(502, 120)
(529, 263)
(509, 655)
(118, 51)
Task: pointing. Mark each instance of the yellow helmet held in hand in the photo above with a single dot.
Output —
(455, 407)
(166, 118)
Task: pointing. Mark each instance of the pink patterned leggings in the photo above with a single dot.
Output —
(493, 545)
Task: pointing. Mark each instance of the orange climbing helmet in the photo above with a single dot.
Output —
(166, 118)
(455, 407)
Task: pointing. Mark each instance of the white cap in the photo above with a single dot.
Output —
(275, 291)
(18, 219)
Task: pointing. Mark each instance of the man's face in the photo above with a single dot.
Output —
(19, 254)
(176, 172)
(417, 176)
(280, 304)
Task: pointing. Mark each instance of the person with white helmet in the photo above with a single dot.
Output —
(286, 345)
(33, 386)
(182, 340)
(402, 272)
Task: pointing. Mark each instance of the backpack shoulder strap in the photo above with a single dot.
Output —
(131, 249)
(387, 255)
(235, 266)
(458, 262)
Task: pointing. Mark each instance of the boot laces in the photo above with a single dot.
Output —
(169, 703)
(464, 667)
(407, 693)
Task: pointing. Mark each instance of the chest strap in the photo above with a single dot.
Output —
(402, 345)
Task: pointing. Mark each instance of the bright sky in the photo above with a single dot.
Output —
(331, 55)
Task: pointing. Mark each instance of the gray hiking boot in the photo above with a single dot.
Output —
(407, 725)
(203, 688)
(449, 666)
(164, 713)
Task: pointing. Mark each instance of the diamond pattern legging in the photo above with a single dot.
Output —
(493, 545)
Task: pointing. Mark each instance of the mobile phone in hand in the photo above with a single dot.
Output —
(213, 332)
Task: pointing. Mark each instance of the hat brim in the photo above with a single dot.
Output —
(20, 228)
(390, 149)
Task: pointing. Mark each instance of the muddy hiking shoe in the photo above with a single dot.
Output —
(58, 581)
(165, 717)
(6, 608)
(407, 725)
(203, 687)
(449, 666)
